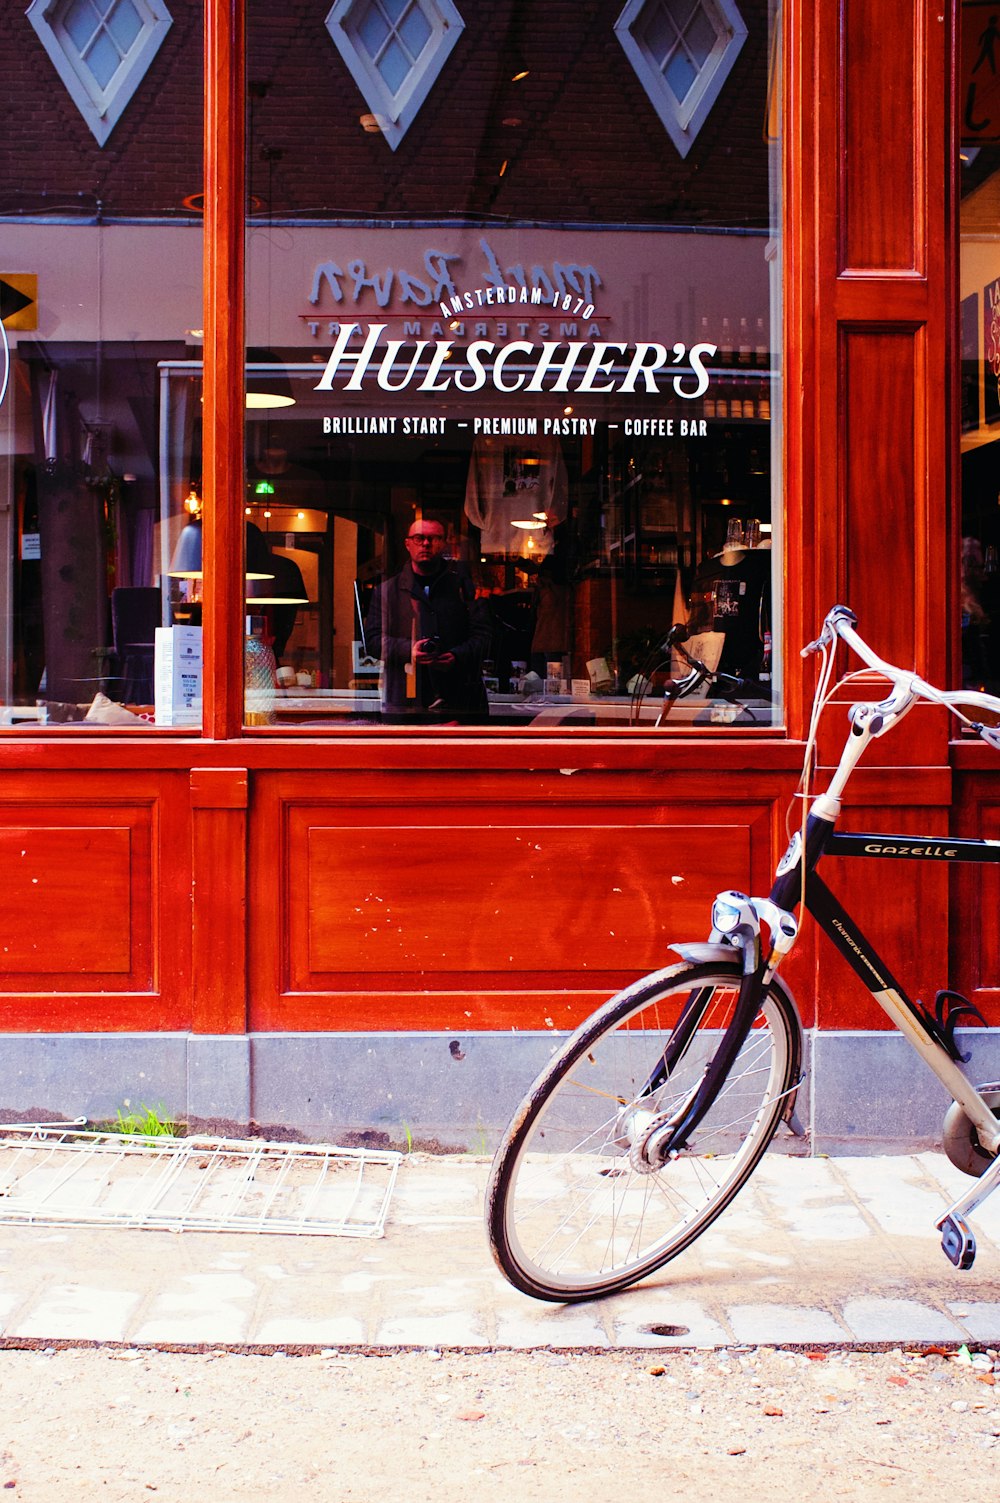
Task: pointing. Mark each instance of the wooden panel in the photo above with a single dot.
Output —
(436, 905)
(882, 553)
(219, 904)
(219, 787)
(96, 932)
(880, 180)
(871, 270)
(67, 901)
(474, 902)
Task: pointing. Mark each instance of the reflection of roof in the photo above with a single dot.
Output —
(579, 136)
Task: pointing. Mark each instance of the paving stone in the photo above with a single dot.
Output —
(10, 1298)
(78, 1312)
(458, 1328)
(874, 1319)
(895, 1192)
(209, 1307)
(981, 1318)
(776, 1324)
(644, 1327)
(531, 1323)
(326, 1331)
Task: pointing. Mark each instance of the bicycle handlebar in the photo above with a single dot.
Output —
(908, 687)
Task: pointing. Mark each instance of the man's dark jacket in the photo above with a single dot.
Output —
(402, 613)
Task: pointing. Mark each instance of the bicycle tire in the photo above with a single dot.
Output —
(569, 1215)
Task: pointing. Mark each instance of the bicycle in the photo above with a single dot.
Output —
(652, 1116)
(725, 687)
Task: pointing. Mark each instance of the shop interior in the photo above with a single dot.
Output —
(583, 547)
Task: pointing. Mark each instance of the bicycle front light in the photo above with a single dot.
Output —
(729, 912)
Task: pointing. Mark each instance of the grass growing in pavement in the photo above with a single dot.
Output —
(146, 1122)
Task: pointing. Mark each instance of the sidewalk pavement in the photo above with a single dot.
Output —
(819, 1252)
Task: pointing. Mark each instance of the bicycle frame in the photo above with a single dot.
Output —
(932, 1039)
(737, 921)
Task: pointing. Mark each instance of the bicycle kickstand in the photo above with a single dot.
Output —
(957, 1239)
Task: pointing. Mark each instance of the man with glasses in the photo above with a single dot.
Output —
(431, 633)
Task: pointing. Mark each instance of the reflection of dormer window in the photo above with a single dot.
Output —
(101, 50)
(395, 50)
(682, 52)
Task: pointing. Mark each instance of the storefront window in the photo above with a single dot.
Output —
(513, 318)
(979, 167)
(100, 297)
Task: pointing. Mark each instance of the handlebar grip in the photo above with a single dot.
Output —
(839, 615)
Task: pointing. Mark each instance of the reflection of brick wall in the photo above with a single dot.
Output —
(50, 161)
(590, 146)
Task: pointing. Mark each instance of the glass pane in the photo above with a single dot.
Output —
(681, 11)
(394, 9)
(680, 74)
(80, 23)
(659, 37)
(103, 60)
(373, 30)
(529, 418)
(415, 31)
(125, 24)
(394, 66)
(700, 38)
(979, 562)
(100, 425)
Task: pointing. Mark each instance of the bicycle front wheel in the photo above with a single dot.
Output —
(573, 1208)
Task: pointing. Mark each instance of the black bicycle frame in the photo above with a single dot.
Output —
(823, 840)
(820, 839)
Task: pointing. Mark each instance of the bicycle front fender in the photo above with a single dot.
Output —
(700, 952)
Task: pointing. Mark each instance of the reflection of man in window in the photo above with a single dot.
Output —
(431, 633)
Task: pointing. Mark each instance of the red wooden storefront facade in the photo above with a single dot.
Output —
(218, 887)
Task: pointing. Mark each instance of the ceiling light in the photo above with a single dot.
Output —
(267, 383)
(258, 401)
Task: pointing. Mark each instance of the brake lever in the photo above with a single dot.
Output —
(988, 733)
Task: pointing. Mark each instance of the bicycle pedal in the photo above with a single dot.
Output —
(958, 1242)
